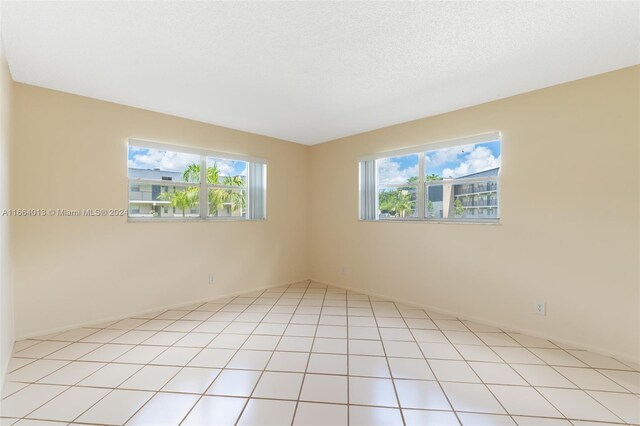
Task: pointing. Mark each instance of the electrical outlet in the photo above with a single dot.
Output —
(540, 308)
(212, 279)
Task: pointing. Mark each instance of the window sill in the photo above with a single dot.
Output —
(190, 220)
(445, 222)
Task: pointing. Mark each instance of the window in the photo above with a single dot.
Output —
(169, 182)
(226, 187)
(397, 186)
(448, 181)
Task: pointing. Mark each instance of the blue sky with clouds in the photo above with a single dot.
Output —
(146, 158)
(451, 162)
(463, 160)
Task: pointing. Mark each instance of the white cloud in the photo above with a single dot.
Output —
(478, 160)
(228, 167)
(389, 171)
(143, 158)
(225, 167)
(163, 160)
(445, 155)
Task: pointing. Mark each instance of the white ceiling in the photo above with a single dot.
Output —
(310, 72)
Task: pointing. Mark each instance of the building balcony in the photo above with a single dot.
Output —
(154, 202)
(474, 191)
(475, 188)
(480, 203)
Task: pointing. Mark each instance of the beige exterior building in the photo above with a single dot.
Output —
(146, 200)
(473, 196)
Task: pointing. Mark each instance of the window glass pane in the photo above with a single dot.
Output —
(158, 164)
(477, 200)
(464, 200)
(398, 170)
(463, 161)
(465, 192)
(163, 201)
(227, 202)
(397, 203)
(226, 172)
(434, 204)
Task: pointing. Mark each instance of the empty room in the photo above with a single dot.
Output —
(320, 213)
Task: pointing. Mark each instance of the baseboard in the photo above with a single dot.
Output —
(148, 311)
(460, 315)
(5, 369)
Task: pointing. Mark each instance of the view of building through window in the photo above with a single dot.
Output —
(167, 184)
(460, 182)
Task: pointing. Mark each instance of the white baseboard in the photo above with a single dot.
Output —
(460, 315)
(149, 311)
(5, 369)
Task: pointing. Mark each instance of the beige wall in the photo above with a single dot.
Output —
(70, 152)
(570, 219)
(562, 148)
(6, 305)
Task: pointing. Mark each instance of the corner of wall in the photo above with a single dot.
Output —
(6, 293)
(560, 255)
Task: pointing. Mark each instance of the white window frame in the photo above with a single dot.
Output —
(255, 187)
(369, 209)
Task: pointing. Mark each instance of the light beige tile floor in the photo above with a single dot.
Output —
(308, 354)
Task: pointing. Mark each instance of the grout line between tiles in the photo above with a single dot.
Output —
(386, 357)
(250, 305)
(306, 368)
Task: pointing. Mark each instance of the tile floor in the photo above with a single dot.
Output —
(308, 354)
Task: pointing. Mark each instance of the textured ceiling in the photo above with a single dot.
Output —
(310, 72)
